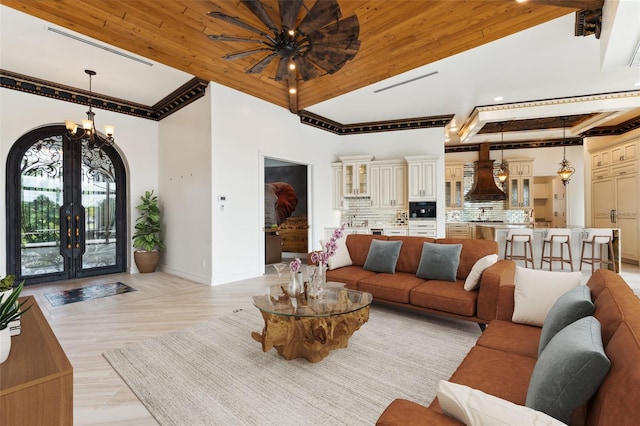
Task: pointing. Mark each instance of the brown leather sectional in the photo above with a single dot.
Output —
(404, 289)
(503, 359)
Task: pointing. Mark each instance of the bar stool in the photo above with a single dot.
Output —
(557, 236)
(597, 237)
(524, 236)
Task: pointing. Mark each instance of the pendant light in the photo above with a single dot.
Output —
(565, 171)
(88, 132)
(503, 173)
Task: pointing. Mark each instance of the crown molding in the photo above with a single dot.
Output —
(324, 123)
(515, 145)
(179, 98)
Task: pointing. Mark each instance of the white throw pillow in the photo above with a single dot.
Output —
(537, 291)
(473, 279)
(474, 407)
(341, 257)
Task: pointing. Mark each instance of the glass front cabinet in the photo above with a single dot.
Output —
(355, 175)
(520, 184)
(454, 186)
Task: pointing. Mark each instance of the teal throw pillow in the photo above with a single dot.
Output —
(383, 256)
(569, 307)
(439, 261)
(569, 370)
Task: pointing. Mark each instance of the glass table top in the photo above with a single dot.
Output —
(334, 301)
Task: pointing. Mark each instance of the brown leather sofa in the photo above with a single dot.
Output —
(503, 359)
(405, 290)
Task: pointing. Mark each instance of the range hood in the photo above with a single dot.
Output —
(484, 185)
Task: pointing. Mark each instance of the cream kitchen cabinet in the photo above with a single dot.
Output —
(355, 175)
(423, 228)
(338, 200)
(623, 153)
(392, 185)
(614, 197)
(601, 159)
(520, 184)
(454, 186)
(422, 172)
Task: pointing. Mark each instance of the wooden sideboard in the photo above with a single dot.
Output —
(36, 381)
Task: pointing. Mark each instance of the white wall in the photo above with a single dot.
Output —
(184, 188)
(546, 162)
(136, 141)
(244, 131)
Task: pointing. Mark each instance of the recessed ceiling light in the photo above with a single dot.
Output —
(498, 98)
(521, 1)
(292, 90)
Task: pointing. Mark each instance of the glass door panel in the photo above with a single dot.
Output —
(41, 196)
(99, 202)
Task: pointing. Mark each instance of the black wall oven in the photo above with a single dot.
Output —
(422, 210)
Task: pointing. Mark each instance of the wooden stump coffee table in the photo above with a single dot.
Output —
(314, 329)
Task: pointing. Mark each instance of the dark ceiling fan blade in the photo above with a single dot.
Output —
(240, 55)
(262, 64)
(321, 14)
(306, 69)
(283, 69)
(289, 10)
(223, 37)
(342, 32)
(336, 52)
(236, 21)
(258, 9)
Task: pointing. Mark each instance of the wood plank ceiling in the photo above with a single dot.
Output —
(396, 36)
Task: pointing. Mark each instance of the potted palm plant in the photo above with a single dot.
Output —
(146, 239)
(10, 310)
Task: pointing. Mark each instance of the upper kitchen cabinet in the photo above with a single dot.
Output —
(454, 185)
(355, 175)
(391, 190)
(422, 178)
(625, 152)
(520, 184)
(336, 172)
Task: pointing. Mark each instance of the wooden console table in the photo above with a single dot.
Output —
(36, 381)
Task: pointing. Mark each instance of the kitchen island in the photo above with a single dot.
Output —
(498, 232)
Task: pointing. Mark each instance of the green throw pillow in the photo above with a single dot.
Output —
(569, 307)
(569, 370)
(383, 256)
(439, 261)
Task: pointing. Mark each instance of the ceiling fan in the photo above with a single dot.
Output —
(319, 43)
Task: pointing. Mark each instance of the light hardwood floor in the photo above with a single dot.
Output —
(162, 303)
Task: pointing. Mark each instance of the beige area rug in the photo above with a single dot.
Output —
(214, 373)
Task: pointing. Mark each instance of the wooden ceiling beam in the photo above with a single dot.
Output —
(571, 4)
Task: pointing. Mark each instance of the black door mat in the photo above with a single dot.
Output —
(91, 292)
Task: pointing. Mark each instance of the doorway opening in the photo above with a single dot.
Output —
(549, 202)
(66, 208)
(286, 219)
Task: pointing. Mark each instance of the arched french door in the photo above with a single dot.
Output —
(66, 208)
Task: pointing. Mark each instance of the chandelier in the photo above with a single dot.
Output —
(503, 173)
(565, 171)
(88, 132)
